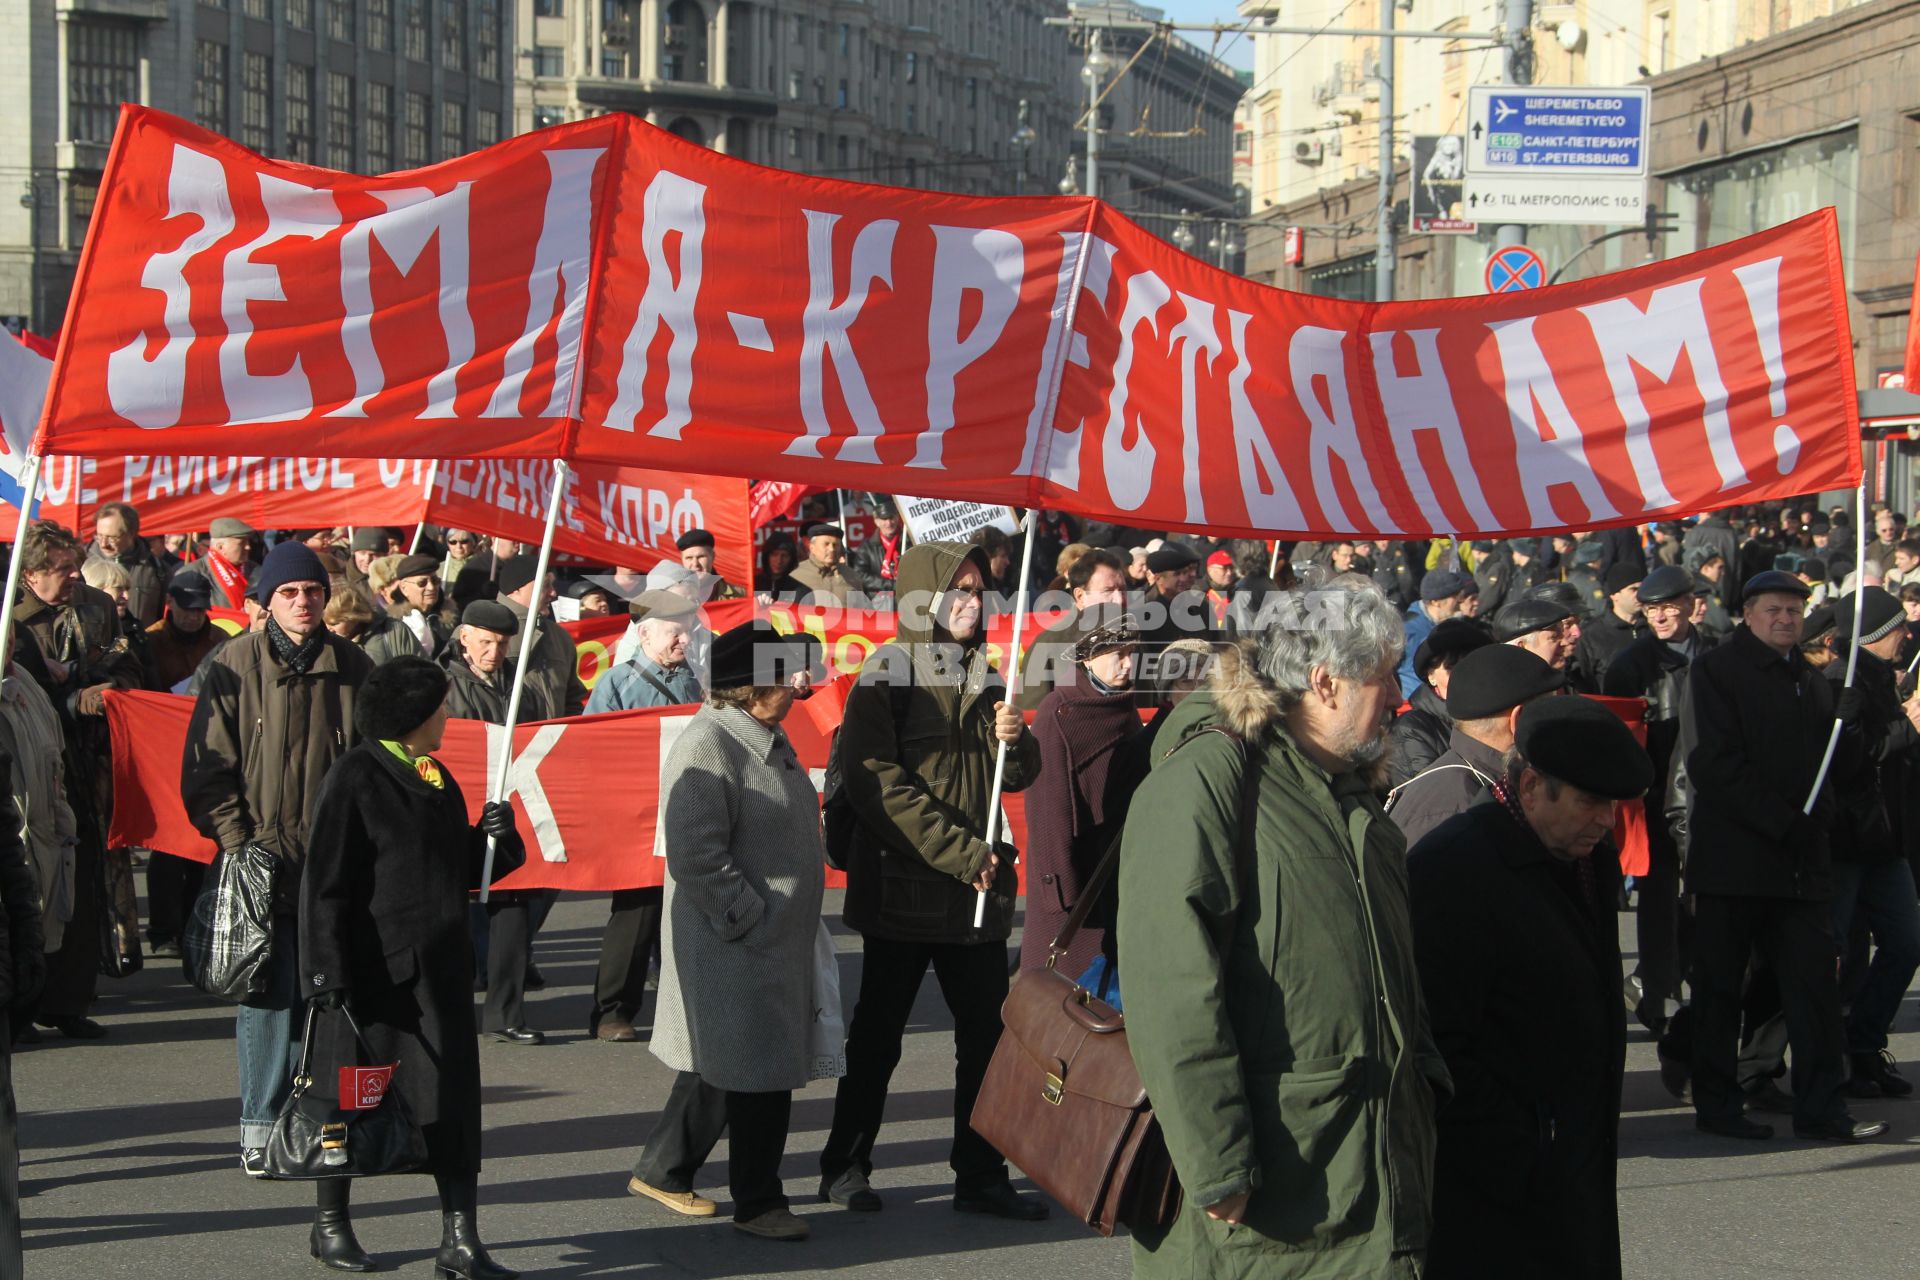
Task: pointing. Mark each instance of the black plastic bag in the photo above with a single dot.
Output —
(228, 939)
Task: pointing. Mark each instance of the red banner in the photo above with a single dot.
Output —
(581, 834)
(603, 291)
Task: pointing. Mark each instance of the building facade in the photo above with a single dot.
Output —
(360, 85)
(912, 93)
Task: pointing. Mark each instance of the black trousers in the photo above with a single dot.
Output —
(11, 1266)
(1794, 939)
(973, 979)
(509, 946)
(633, 930)
(689, 1127)
(74, 970)
(172, 886)
(1662, 929)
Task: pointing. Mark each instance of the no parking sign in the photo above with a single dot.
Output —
(1514, 268)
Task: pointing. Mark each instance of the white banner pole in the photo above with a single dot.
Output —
(1013, 690)
(535, 607)
(1853, 650)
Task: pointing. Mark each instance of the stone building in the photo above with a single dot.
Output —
(364, 85)
(913, 93)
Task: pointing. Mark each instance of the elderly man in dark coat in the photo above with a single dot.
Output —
(1485, 694)
(479, 679)
(1077, 804)
(391, 857)
(1519, 957)
(1420, 733)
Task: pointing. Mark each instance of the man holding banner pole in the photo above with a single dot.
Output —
(923, 727)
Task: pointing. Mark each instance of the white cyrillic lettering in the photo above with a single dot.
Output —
(673, 204)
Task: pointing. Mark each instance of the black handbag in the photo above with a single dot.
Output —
(315, 1138)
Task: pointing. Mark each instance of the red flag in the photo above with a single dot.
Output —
(1913, 332)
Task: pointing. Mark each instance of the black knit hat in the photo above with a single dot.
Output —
(511, 575)
(401, 695)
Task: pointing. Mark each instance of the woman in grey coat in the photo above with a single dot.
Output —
(745, 874)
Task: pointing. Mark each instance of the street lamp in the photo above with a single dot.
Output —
(1023, 140)
(1182, 236)
(1094, 71)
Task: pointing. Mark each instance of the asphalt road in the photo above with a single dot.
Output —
(129, 1165)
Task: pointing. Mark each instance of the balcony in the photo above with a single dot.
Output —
(137, 10)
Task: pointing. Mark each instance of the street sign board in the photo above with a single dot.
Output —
(1439, 166)
(1514, 268)
(1547, 153)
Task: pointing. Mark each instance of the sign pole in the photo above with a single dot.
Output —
(426, 491)
(29, 492)
(1013, 690)
(1518, 20)
(535, 608)
(1853, 650)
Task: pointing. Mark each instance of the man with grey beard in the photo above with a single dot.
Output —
(1261, 795)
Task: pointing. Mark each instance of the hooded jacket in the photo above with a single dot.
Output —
(1273, 1006)
(921, 786)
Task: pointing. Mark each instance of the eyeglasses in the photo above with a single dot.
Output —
(459, 542)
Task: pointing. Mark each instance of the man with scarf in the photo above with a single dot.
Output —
(225, 565)
(875, 563)
(275, 710)
(1076, 806)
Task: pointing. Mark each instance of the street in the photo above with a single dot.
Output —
(129, 1165)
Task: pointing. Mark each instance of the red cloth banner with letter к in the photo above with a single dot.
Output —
(605, 292)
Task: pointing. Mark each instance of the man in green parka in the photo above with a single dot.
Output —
(1279, 1028)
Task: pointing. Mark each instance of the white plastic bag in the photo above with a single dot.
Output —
(827, 1038)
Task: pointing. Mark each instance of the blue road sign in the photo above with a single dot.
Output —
(1515, 268)
(1547, 130)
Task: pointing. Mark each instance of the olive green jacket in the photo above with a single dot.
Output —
(1272, 1007)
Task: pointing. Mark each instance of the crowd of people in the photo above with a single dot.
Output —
(1363, 798)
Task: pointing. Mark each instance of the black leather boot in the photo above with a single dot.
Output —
(462, 1256)
(332, 1243)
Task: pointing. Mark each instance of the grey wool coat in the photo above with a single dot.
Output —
(745, 875)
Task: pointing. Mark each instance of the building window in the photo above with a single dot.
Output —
(840, 98)
(545, 117)
(300, 14)
(486, 39)
(379, 127)
(683, 42)
(846, 38)
(340, 20)
(300, 114)
(103, 71)
(210, 85)
(820, 90)
(913, 119)
(81, 196)
(453, 129)
(793, 85)
(255, 9)
(549, 60)
(793, 141)
(413, 136)
(973, 91)
(913, 67)
(613, 64)
(840, 152)
(486, 127)
(340, 120)
(380, 25)
(416, 15)
(819, 148)
(453, 34)
(256, 101)
(549, 8)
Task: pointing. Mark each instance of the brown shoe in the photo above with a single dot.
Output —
(617, 1031)
(694, 1206)
(774, 1224)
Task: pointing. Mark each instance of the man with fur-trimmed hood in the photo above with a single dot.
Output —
(918, 742)
(1279, 1027)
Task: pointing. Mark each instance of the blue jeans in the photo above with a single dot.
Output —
(1879, 895)
(267, 1034)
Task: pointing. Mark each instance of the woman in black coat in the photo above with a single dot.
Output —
(383, 930)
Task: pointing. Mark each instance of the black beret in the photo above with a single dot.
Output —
(1818, 524)
(1527, 615)
(754, 653)
(1620, 576)
(1814, 567)
(1817, 626)
(490, 615)
(1879, 614)
(1450, 641)
(191, 591)
(1443, 584)
(369, 537)
(824, 530)
(398, 697)
(511, 575)
(1497, 679)
(1171, 557)
(1585, 745)
(1668, 582)
(694, 538)
(1775, 580)
(414, 566)
(587, 586)
(1564, 594)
